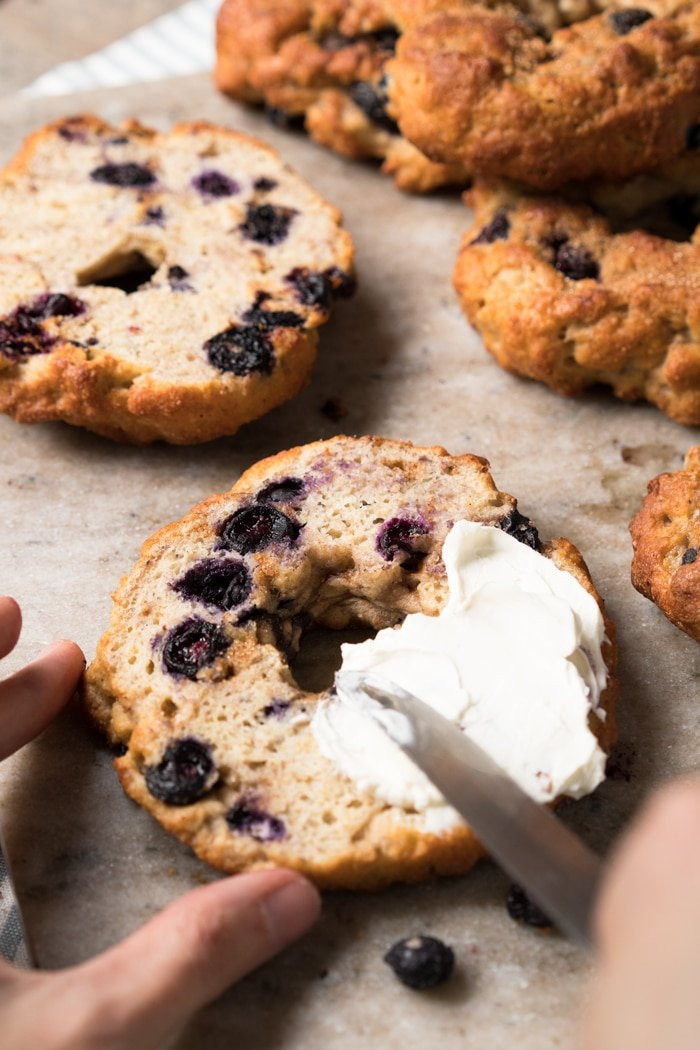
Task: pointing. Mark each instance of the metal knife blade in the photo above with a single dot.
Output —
(556, 869)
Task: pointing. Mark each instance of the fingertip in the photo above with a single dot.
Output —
(10, 624)
(68, 653)
(292, 908)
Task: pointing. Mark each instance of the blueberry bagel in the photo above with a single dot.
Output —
(666, 540)
(608, 97)
(322, 64)
(159, 285)
(564, 294)
(192, 679)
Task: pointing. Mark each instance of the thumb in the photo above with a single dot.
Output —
(147, 986)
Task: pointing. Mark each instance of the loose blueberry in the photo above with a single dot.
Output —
(221, 583)
(575, 262)
(334, 409)
(128, 174)
(241, 349)
(191, 645)
(254, 528)
(421, 962)
(521, 908)
(496, 230)
(215, 184)
(692, 137)
(286, 490)
(690, 555)
(185, 772)
(280, 118)
(521, 529)
(247, 819)
(402, 536)
(623, 22)
(372, 100)
(264, 184)
(277, 708)
(266, 223)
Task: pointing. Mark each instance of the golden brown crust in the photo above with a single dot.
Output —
(134, 365)
(335, 577)
(666, 542)
(481, 88)
(304, 59)
(558, 297)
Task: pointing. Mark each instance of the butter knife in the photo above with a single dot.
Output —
(549, 861)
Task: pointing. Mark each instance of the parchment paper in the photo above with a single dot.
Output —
(74, 510)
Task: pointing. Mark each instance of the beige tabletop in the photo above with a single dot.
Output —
(74, 510)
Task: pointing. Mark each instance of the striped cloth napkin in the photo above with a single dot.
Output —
(176, 44)
(13, 939)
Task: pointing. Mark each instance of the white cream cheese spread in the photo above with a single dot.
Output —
(514, 658)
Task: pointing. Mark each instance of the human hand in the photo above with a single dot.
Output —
(133, 996)
(646, 990)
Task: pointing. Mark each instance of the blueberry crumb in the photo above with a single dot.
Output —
(334, 409)
(421, 962)
(690, 555)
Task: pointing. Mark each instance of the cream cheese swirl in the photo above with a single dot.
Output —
(514, 658)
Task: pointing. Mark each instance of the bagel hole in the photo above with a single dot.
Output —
(128, 271)
(319, 657)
